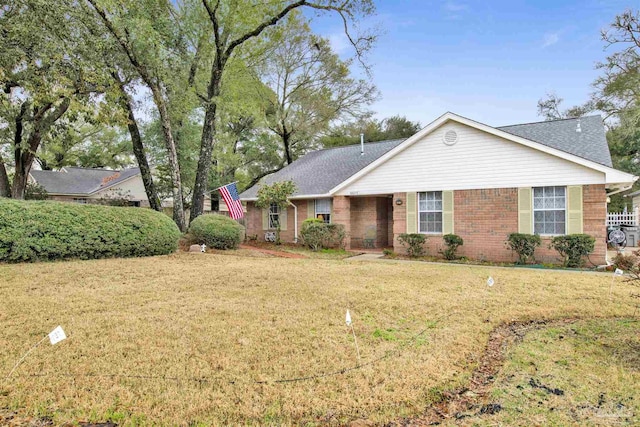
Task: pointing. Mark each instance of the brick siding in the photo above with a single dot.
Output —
(483, 218)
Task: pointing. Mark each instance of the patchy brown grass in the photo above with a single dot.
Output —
(239, 324)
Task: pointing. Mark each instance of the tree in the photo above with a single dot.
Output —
(373, 130)
(234, 25)
(549, 108)
(144, 31)
(312, 87)
(618, 89)
(277, 194)
(47, 72)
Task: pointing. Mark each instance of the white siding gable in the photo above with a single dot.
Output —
(477, 160)
(132, 189)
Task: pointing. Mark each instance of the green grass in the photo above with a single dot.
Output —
(595, 364)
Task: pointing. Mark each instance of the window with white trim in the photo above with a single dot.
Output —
(549, 210)
(323, 210)
(274, 216)
(430, 212)
(81, 200)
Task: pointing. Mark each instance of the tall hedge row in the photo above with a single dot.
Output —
(45, 230)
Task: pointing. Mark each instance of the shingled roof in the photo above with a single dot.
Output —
(318, 172)
(590, 143)
(80, 181)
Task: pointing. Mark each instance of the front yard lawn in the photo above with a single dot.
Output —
(199, 339)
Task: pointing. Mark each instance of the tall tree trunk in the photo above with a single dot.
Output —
(206, 144)
(5, 186)
(138, 148)
(24, 156)
(174, 165)
(286, 141)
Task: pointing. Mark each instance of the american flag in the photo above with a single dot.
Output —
(232, 199)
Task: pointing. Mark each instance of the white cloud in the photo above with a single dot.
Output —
(550, 39)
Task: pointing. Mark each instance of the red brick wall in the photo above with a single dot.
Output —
(342, 215)
(484, 219)
(254, 221)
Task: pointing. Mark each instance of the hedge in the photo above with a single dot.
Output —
(46, 230)
(216, 231)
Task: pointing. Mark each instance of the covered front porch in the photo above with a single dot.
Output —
(368, 220)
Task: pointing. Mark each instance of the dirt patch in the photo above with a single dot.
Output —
(279, 254)
(472, 400)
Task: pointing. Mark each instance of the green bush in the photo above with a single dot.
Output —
(573, 248)
(317, 235)
(452, 241)
(414, 242)
(45, 230)
(524, 245)
(216, 231)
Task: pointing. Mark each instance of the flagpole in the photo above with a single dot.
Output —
(25, 356)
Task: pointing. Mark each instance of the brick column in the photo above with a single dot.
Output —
(399, 220)
(342, 215)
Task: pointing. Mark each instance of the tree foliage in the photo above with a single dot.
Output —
(313, 87)
(373, 130)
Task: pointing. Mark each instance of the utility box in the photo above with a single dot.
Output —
(633, 234)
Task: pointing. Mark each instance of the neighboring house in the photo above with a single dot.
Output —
(457, 176)
(91, 185)
(94, 185)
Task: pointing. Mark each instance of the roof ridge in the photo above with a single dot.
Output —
(549, 121)
(95, 169)
(356, 144)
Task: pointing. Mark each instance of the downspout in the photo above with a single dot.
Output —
(295, 222)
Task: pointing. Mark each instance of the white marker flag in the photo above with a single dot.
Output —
(348, 318)
(618, 272)
(490, 281)
(57, 335)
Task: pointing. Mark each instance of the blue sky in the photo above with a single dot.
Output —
(488, 60)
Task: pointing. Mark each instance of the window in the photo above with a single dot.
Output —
(549, 210)
(215, 203)
(274, 216)
(323, 210)
(81, 200)
(430, 212)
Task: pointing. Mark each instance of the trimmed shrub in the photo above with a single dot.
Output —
(414, 243)
(524, 245)
(216, 231)
(316, 234)
(452, 241)
(45, 230)
(573, 248)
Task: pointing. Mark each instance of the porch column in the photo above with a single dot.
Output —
(399, 219)
(342, 215)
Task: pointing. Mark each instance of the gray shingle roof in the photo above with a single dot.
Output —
(80, 181)
(320, 171)
(590, 143)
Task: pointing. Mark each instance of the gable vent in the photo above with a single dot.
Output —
(450, 137)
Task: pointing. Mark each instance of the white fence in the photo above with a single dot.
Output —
(623, 218)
